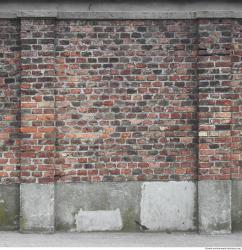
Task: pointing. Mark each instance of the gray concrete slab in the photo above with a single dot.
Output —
(169, 206)
(115, 9)
(236, 205)
(37, 208)
(9, 207)
(14, 239)
(71, 197)
(122, 15)
(214, 199)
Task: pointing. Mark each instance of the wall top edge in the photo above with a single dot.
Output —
(120, 15)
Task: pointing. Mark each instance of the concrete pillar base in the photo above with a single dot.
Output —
(9, 207)
(237, 205)
(214, 202)
(37, 208)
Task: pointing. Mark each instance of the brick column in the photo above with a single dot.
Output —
(37, 124)
(9, 123)
(236, 148)
(9, 101)
(236, 170)
(214, 78)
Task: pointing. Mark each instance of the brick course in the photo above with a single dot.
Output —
(120, 100)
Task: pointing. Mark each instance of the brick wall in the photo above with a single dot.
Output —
(236, 98)
(9, 101)
(38, 81)
(215, 98)
(120, 100)
(126, 100)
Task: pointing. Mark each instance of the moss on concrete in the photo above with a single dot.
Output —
(129, 218)
(4, 217)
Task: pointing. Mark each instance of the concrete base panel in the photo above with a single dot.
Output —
(214, 199)
(37, 208)
(237, 205)
(9, 207)
(169, 206)
(96, 197)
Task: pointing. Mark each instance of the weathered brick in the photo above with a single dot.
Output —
(120, 100)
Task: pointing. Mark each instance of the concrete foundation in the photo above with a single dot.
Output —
(237, 205)
(160, 206)
(37, 208)
(214, 200)
(9, 207)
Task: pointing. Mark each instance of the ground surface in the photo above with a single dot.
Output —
(15, 239)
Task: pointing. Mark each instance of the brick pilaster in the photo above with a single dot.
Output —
(37, 100)
(9, 101)
(236, 147)
(214, 78)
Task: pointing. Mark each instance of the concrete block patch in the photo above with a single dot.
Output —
(37, 208)
(169, 206)
(101, 220)
(214, 201)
